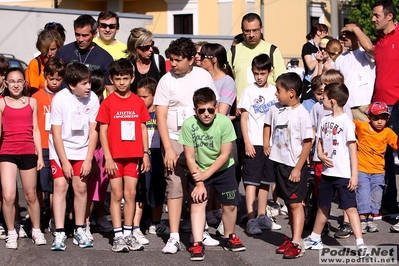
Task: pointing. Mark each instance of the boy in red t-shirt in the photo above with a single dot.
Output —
(54, 72)
(124, 138)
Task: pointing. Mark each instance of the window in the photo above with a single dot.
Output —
(183, 24)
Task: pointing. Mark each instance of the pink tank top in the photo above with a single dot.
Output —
(17, 126)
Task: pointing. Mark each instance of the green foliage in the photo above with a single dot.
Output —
(361, 12)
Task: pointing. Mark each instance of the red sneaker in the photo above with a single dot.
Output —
(294, 251)
(233, 244)
(197, 251)
(281, 249)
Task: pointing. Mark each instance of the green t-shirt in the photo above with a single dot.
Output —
(207, 140)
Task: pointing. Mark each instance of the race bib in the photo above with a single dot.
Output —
(77, 121)
(47, 125)
(182, 114)
(128, 130)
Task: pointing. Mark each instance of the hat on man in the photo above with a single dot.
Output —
(378, 108)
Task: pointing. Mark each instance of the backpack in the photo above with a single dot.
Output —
(40, 66)
(233, 53)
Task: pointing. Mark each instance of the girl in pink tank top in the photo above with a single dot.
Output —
(21, 151)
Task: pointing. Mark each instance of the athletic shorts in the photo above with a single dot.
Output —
(258, 170)
(327, 187)
(224, 184)
(23, 161)
(290, 192)
(56, 167)
(45, 177)
(126, 167)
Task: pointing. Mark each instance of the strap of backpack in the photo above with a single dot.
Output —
(271, 52)
(39, 65)
(233, 54)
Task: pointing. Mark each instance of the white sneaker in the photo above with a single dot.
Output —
(161, 229)
(3, 234)
(273, 209)
(12, 241)
(88, 232)
(172, 246)
(265, 223)
(51, 226)
(103, 225)
(253, 227)
(38, 238)
(283, 210)
(140, 237)
(220, 229)
(20, 230)
(207, 240)
(308, 243)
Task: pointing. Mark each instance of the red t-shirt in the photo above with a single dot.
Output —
(386, 54)
(115, 112)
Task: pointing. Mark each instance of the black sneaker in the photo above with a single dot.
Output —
(197, 251)
(344, 231)
(233, 244)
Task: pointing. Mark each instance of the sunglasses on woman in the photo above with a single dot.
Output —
(202, 110)
(146, 47)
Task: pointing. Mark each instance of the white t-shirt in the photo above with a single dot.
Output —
(176, 92)
(257, 102)
(359, 72)
(336, 132)
(289, 128)
(71, 113)
(316, 114)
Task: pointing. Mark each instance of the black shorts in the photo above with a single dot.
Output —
(258, 170)
(225, 186)
(289, 191)
(327, 187)
(45, 176)
(23, 161)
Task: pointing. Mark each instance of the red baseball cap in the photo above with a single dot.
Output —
(378, 108)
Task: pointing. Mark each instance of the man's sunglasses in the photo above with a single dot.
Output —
(202, 110)
(146, 47)
(110, 26)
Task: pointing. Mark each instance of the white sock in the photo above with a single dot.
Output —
(127, 230)
(175, 236)
(315, 236)
(34, 230)
(359, 241)
(12, 232)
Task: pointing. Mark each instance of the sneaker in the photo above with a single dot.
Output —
(253, 227)
(132, 243)
(206, 227)
(59, 241)
(51, 226)
(12, 241)
(309, 243)
(103, 225)
(294, 251)
(161, 229)
(395, 228)
(3, 234)
(197, 252)
(80, 238)
(172, 246)
(207, 240)
(38, 239)
(265, 223)
(344, 231)
(220, 229)
(377, 216)
(363, 251)
(211, 218)
(20, 230)
(88, 232)
(233, 244)
(140, 237)
(281, 249)
(283, 210)
(364, 227)
(273, 209)
(119, 245)
(186, 228)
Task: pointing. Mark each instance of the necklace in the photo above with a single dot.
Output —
(80, 58)
(22, 99)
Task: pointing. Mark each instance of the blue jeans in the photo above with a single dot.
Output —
(390, 194)
(369, 193)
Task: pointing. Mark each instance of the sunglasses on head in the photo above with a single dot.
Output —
(110, 26)
(146, 47)
(52, 25)
(202, 110)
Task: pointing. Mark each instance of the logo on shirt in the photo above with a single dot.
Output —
(86, 110)
(125, 114)
(53, 169)
(260, 105)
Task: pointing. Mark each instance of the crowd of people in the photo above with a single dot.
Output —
(96, 113)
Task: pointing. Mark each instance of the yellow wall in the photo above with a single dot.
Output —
(39, 4)
(158, 11)
(208, 17)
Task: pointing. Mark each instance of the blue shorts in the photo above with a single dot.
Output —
(258, 170)
(45, 176)
(327, 187)
(369, 192)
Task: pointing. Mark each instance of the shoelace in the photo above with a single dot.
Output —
(196, 249)
(236, 241)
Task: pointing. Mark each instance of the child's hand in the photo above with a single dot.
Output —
(110, 167)
(146, 165)
(325, 160)
(67, 170)
(295, 175)
(352, 185)
(170, 159)
(40, 163)
(198, 175)
(267, 150)
(85, 169)
(199, 194)
(250, 150)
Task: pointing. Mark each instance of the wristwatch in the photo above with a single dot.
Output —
(147, 152)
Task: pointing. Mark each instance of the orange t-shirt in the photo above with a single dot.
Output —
(44, 98)
(372, 147)
(34, 79)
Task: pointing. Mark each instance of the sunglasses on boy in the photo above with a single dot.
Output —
(202, 110)
(146, 47)
(110, 26)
